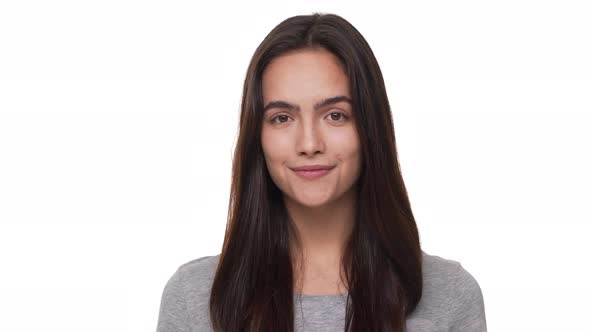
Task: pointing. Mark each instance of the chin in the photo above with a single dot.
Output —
(313, 201)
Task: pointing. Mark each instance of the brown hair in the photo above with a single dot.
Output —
(253, 285)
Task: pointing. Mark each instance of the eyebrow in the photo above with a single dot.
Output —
(316, 106)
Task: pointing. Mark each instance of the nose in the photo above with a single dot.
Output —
(309, 138)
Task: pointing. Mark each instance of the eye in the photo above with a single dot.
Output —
(340, 116)
(280, 116)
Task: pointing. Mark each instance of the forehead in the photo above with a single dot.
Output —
(304, 75)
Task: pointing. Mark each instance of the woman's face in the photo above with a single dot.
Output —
(300, 130)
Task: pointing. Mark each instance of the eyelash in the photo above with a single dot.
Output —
(278, 115)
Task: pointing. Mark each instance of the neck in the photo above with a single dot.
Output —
(321, 234)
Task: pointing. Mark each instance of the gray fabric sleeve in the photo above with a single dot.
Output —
(469, 313)
(173, 309)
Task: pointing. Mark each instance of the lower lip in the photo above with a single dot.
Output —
(310, 175)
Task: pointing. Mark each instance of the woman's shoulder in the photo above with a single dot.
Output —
(184, 304)
(441, 266)
(445, 274)
(200, 267)
(451, 295)
(197, 275)
(193, 279)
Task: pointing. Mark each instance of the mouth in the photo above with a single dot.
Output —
(311, 173)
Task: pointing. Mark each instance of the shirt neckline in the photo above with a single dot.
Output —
(327, 296)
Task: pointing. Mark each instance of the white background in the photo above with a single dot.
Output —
(118, 121)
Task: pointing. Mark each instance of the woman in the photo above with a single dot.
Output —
(320, 233)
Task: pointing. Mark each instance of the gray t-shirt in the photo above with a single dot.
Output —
(452, 301)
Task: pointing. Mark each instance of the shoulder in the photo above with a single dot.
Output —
(441, 271)
(450, 295)
(196, 276)
(200, 267)
(186, 294)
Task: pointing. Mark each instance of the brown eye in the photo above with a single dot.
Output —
(338, 116)
(280, 116)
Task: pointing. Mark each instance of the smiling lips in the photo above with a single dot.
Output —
(311, 172)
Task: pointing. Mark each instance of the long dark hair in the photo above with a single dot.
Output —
(253, 285)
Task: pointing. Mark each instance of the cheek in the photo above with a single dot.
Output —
(271, 159)
(274, 148)
(351, 154)
(348, 146)
(267, 144)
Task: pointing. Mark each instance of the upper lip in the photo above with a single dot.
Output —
(312, 168)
